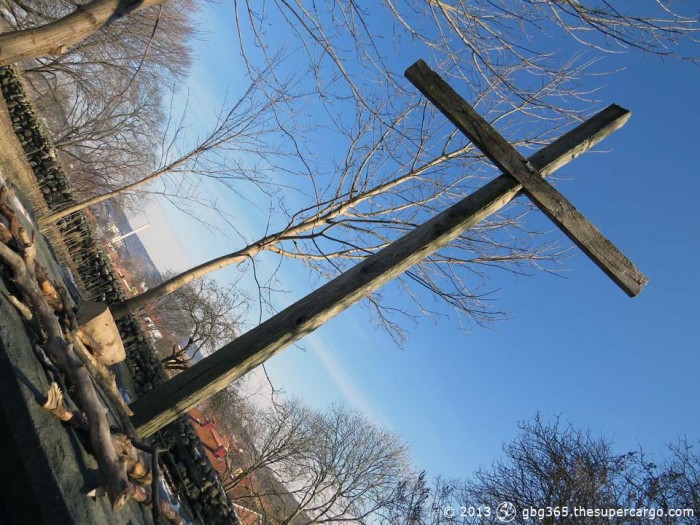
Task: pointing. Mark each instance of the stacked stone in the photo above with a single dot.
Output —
(89, 260)
(31, 133)
(94, 267)
(102, 284)
(145, 368)
(202, 487)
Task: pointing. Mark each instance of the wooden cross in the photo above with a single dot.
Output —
(579, 229)
(174, 398)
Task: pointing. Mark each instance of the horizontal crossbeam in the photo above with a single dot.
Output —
(557, 207)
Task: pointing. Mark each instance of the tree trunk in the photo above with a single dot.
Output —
(561, 151)
(128, 306)
(62, 214)
(56, 37)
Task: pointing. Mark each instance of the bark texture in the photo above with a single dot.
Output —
(57, 37)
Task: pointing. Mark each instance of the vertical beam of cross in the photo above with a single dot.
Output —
(174, 398)
(557, 207)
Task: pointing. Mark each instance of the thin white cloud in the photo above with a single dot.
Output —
(347, 386)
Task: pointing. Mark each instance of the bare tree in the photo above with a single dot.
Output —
(149, 46)
(671, 483)
(56, 37)
(351, 45)
(682, 471)
(230, 152)
(325, 467)
(273, 436)
(553, 465)
(105, 143)
(375, 194)
(330, 463)
(400, 162)
(409, 503)
(103, 99)
(201, 315)
(559, 471)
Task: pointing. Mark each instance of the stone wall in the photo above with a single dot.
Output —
(97, 278)
(100, 282)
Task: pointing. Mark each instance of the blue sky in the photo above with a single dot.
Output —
(575, 346)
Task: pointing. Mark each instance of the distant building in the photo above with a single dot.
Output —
(217, 445)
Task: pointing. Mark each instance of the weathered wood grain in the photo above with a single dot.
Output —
(557, 207)
(174, 398)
